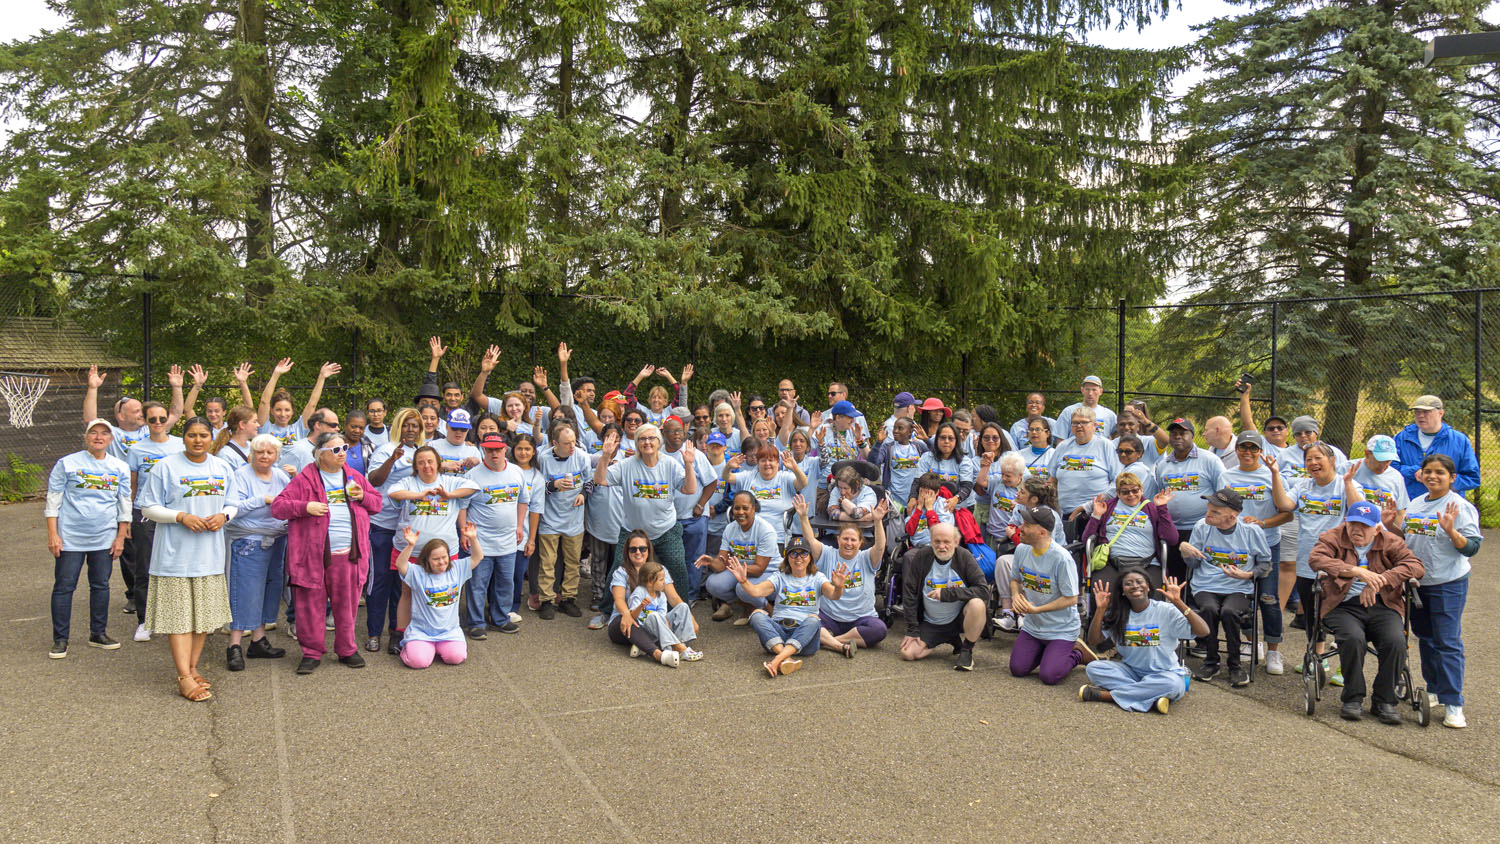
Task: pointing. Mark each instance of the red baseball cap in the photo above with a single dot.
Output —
(492, 441)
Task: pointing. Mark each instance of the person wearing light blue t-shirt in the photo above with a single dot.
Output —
(850, 621)
(436, 580)
(1442, 530)
(1225, 556)
(257, 551)
(88, 516)
(1189, 473)
(566, 468)
(750, 540)
(1036, 410)
(1250, 477)
(497, 510)
(1148, 675)
(1102, 417)
(792, 629)
(144, 455)
(1044, 591)
(1083, 465)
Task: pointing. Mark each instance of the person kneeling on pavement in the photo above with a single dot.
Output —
(945, 597)
(1224, 557)
(1365, 572)
(1044, 590)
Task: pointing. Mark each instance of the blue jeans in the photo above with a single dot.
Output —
(1439, 628)
(772, 633)
(489, 595)
(517, 583)
(255, 581)
(1270, 601)
(385, 583)
(694, 540)
(65, 571)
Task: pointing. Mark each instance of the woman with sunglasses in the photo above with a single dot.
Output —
(622, 627)
(145, 454)
(327, 507)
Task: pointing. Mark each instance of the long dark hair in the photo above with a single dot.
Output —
(1118, 612)
(957, 453)
(631, 573)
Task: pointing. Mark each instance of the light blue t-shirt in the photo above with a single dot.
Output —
(390, 511)
(148, 452)
(720, 514)
(1387, 486)
(1426, 539)
(492, 510)
(809, 465)
(340, 527)
(1044, 578)
(1244, 547)
(1137, 536)
(1149, 452)
(1020, 427)
(1151, 638)
(432, 517)
(1319, 509)
(903, 463)
(288, 434)
(297, 455)
(835, 448)
(434, 602)
(602, 511)
(950, 470)
(201, 489)
(252, 514)
(1255, 491)
(375, 438)
(1104, 420)
(923, 534)
(758, 541)
(776, 495)
(1038, 463)
(1362, 559)
(1189, 480)
(559, 516)
(648, 503)
(621, 578)
(121, 441)
(1082, 470)
(93, 493)
(1002, 502)
(1143, 473)
(865, 498)
(706, 476)
(536, 496)
(796, 597)
(655, 603)
(940, 576)
(455, 453)
(858, 600)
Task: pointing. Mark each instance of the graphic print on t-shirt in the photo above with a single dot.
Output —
(951, 580)
(1142, 636)
(1379, 496)
(1178, 483)
(654, 490)
(1077, 463)
(766, 494)
(1222, 557)
(798, 597)
(743, 551)
(441, 596)
(502, 493)
(1005, 501)
(429, 507)
(337, 495)
(1120, 518)
(196, 485)
(1252, 492)
(1314, 506)
(97, 480)
(1422, 524)
(1036, 581)
(903, 462)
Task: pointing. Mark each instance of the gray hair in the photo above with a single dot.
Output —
(1011, 461)
(325, 438)
(261, 442)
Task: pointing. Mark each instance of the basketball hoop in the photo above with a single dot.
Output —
(21, 392)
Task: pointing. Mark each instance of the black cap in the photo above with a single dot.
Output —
(797, 543)
(1226, 497)
(1039, 515)
(1179, 422)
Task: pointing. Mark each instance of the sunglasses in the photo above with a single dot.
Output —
(1125, 451)
(1274, 428)
(700, 417)
(833, 392)
(336, 449)
(759, 407)
(639, 549)
(156, 419)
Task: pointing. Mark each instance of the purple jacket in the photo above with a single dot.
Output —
(307, 535)
(1161, 522)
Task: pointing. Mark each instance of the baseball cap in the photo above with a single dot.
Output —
(1226, 497)
(1363, 512)
(611, 395)
(492, 441)
(905, 400)
(1427, 403)
(797, 543)
(93, 422)
(1250, 438)
(1274, 418)
(1179, 422)
(717, 438)
(459, 420)
(1039, 515)
(1093, 379)
(843, 407)
(1382, 447)
(1305, 424)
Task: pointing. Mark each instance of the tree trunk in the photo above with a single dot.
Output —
(254, 83)
(671, 204)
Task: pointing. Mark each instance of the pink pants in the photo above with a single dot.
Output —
(419, 654)
(340, 588)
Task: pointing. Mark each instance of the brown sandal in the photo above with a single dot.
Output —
(202, 681)
(197, 693)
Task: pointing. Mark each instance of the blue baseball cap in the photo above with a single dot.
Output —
(843, 408)
(717, 438)
(1363, 512)
(459, 420)
(1382, 447)
(905, 400)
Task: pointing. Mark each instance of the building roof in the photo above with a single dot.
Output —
(40, 344)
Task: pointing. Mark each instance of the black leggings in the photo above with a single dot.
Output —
(638, 636)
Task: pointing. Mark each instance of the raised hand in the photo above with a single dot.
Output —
(688, 454)
(787, 460)
(174, 376)
(282, 367)
(799, 504)
(328, 370)
(242, 373)
(737, 461)
(1449, 517)
(564, 354)
(1101, 504)
(1349, 472)
(1163, 498)
(737, 568)
(840, 576)
(409, 536)
(96, 380)
(880, 436)
(1171, 588)
(665, 373)
(1388, 514)
(200, 377)
(539, 377)
(687, 373)
(645, 372)
(734, 399)
(883, 509)
(435, 343)
(491, 357)
(1269, 461)
(1101, 594)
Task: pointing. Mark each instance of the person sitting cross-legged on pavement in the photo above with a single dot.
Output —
(945, 597)
(1364, 601)
(792, 628)
(1146, 632)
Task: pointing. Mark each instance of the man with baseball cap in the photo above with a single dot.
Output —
(1365, 570)
(1190, 474)
(1429, 434)
(1225, 556)
(1104, 418)
(1379, 480)
(905, 408)
(455, 454)
(497, 511)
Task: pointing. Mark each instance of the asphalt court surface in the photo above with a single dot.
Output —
(554, 735)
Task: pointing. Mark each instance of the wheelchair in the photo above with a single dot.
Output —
(1315, 677)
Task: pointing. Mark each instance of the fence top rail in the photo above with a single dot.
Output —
(1301, 300)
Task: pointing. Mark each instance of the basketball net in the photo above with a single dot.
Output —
(21, 393)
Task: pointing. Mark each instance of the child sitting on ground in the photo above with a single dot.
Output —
(436, 587)
(673, 628)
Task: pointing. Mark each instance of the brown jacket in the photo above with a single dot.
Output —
(1335, 555)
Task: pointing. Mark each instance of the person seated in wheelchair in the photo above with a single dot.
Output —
(1224, 557)
(1364, 571)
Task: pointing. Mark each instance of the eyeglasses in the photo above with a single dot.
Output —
(1080, 424)
(638, 549)
(757, 407)
(649, 440)
(1125, 451)
(1271, 429)
(335, 449)
(700, 417)
(157, 419)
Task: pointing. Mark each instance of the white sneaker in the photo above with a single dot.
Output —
(142, 634)
(1006, 621)
(671, 658)
(634, 652)
(1454, 718)
(515, 618)
(597, 622)
(1260, 651)
(328, 621)
(691, 655)
(1274, 664)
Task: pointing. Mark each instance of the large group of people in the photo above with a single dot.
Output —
(1098, 538)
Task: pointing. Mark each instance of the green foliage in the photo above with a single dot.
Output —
(19, 480)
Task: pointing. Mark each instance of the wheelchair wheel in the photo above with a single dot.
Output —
(1403, 685)
(1424, 707)
(1310, 683)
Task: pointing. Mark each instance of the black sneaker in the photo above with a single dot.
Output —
(965, 660)
(547, 610)
(234, 658)
(1198, 650)
(1387, 713)
(1239, 677)
(570, 608)
(477, 634)
(103, 642)
(1299, 623)
(1207, 671)
(510, 627)
(263, 649)
(393, 644)
(353, 660)
(59, 649)
(1350, 711)
(129, 608)
(308, 665)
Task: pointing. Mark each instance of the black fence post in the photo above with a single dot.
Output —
(1120, 357)
(1275, 323)
(145, 346)
(1478, 389)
